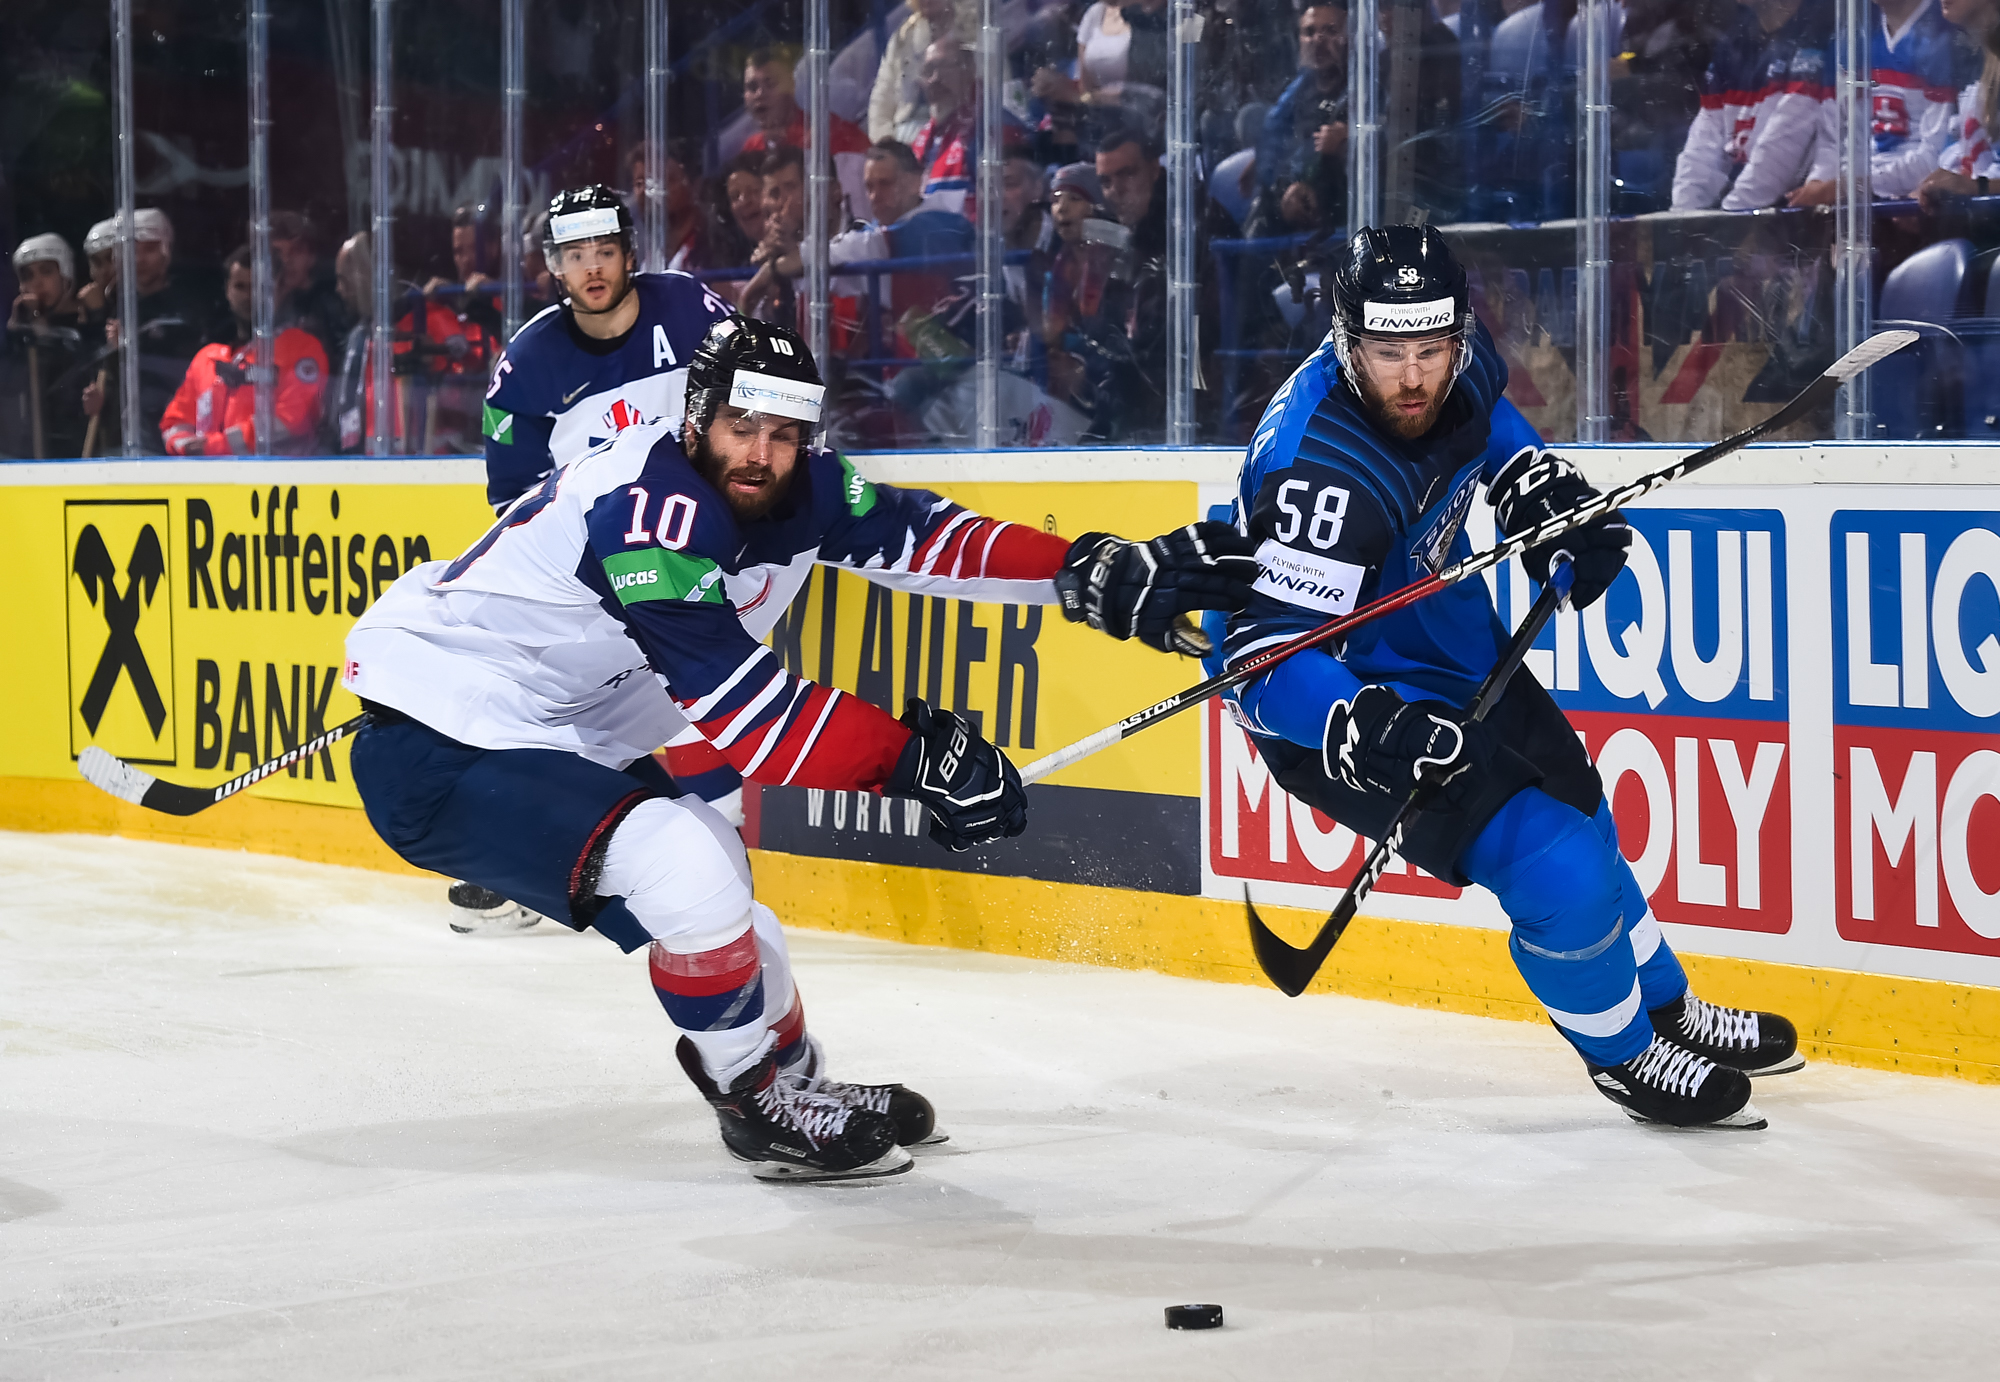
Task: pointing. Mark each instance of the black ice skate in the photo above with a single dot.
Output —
(916, 1120)
(483, 912)
(1668, 1083)
(788, 1134)
(1753, 1042)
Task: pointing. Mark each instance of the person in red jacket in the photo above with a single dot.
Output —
(214, 412)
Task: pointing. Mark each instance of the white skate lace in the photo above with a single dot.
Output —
(873, 1097)
(1719, 1026)
(1672, 1068)
(815, 1116)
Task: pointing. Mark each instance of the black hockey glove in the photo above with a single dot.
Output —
(974, 794)
(1142, 589)
(1535, 487)
(1379, 742)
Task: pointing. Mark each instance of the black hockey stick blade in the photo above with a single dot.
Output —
(1871, 351)
(112, 774)
(1290, 968)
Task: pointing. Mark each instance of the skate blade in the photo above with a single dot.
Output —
(1784, 1067)
(1745, 1119)
(520, 919)
(893, 1162)
(937, 1135)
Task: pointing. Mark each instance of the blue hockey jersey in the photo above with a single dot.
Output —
(557, 392)
(1344, 512)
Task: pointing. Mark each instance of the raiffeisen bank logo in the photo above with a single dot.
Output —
(120, 628)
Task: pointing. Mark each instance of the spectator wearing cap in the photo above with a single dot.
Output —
(945, 147)
(770, 96)
(171, 327)
(1079, 310)
(214, 412)
(49, 348)
(897, 106)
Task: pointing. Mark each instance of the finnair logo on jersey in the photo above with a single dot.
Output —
(1300, 578)
(763, 393)
(1439, 314)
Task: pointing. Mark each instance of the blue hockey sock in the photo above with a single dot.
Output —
(1661, 978)
(1563, 888)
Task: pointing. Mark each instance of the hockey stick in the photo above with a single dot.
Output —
(1291, 969)
(114, 775)
(1876, 348)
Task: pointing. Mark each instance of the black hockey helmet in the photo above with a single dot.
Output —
(755, 365)
(576, 214)
(1400, 281)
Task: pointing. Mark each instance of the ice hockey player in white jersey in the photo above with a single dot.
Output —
(519, 691)
(613, 353)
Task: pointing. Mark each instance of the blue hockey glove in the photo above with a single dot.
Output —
(974, 794)
(1143, 590)
(1379, 742)
(1535, 487)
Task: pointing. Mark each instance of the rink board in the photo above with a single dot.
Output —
(1794, 695)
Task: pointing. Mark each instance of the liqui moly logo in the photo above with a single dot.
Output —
(1916, 712)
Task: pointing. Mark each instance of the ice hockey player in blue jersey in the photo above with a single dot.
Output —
(614, 352)
(519, 690)
(1356, 483)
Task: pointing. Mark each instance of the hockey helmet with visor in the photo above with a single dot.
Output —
(1400, 283)
(757, 366)
(581, 214)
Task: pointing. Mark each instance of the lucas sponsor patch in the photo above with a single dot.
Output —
(1299, 578)
(653, 574)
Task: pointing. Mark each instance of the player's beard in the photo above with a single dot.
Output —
(745, 508)
(1387, 413)
(620, 290)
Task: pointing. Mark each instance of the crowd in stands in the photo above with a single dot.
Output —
(1715, 106)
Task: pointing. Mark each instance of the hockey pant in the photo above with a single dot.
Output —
(1538, 834)
(623, 853)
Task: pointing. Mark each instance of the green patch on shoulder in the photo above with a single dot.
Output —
(657, 574)
(855, 490)
(498, 425)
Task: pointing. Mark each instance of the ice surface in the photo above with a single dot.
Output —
(274, 1121)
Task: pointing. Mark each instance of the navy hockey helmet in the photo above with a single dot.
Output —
(1401, 281)
(758, 366)
(577, 214)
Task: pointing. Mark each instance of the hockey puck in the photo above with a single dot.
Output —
(1194, 1317)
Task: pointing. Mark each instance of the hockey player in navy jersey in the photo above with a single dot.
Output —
(613, 353)
(1356, 483)
(519, 690)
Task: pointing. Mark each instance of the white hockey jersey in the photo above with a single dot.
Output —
(1755, 137)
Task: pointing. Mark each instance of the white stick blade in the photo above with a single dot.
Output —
(1874, 350)
(110, 774)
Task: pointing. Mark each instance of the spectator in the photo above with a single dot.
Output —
(1968, 164)
(1024, 217)
(467, 306)
(538, 285)
(1302, 152)
(944, 147)
(904, 226)
(354, 392)
(743, 205)
(769, 96)
(897, 107)
(214, 412)
(1080, 311)
(1912, 60)
(690, 238)
(307, 297)
(1753, 141)
(171, 323)
(51, 340)
(1122, 54)
(773, 291)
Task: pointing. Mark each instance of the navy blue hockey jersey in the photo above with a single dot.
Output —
(557, 392)
(1344, 512)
